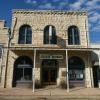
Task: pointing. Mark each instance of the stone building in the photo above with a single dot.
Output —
(48, 47)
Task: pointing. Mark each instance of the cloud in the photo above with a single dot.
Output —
(62, 5)
(77, 5)
(34, 2)
(95, 28)
(92, 2)
(46, 6)
(94, 21)
(54, 4)
(56, 0)
(94, 17)
(27, 1)
(31, 1)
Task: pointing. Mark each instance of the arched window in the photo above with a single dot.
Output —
(22, 71)
(73, 35)
(76, 68)
(25, 35)
(50, 35)
(76, 63)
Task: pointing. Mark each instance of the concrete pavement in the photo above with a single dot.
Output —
(50, 94)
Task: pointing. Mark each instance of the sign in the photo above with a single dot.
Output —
(50, 56)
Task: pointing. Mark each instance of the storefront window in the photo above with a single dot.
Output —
(76, 74)
(76, 68)
(23, 70)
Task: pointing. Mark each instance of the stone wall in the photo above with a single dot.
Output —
(38, 20)
(13, 55)
(4, 39)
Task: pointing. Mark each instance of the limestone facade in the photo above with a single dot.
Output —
(4, 39)
(38, 20)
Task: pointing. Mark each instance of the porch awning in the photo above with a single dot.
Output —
(52, 48)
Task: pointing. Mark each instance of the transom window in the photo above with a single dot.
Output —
(50, 35)
(49, 63)
(73, 35)
(25, 35)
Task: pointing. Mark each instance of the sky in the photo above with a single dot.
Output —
(91, 6)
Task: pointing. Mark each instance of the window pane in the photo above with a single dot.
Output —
(73, 35)
(28, 36)
(50, 35)
(76, 74)
(1, 51)
(54, 37)
(70, 36)
(46, 35)
(25, 35)
(19, 74)
(28, 73)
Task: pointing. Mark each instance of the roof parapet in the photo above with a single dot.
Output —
(28, 11)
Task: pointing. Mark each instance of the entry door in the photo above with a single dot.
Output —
(95, 76)
(49, 76)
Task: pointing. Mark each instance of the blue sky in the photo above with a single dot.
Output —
(92, 6)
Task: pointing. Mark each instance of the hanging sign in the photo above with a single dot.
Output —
(49, 56)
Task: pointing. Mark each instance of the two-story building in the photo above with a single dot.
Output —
(49, 47)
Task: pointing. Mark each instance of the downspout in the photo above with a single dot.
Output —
(11, 33)
(1, 61)
(91, 70)
(7, 59)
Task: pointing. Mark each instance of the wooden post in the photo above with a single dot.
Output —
(99, 58)
(67, 78)
(99, 69)
(34, 70)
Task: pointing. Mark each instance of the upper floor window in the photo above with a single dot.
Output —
(50, 35)
(25, 35)
(73, 35)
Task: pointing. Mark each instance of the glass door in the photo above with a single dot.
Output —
(49, 71)
(49, 76)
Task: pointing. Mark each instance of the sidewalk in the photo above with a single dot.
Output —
(45, 94)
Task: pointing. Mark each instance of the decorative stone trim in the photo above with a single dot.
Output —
(61, 12)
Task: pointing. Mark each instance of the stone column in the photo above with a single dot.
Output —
(34, 70)
(99, 70)
(88, 72)
(67, 78)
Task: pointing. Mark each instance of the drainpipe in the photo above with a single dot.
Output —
(11, 35)
(9, 31)
(91, 72)
(2, 52)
